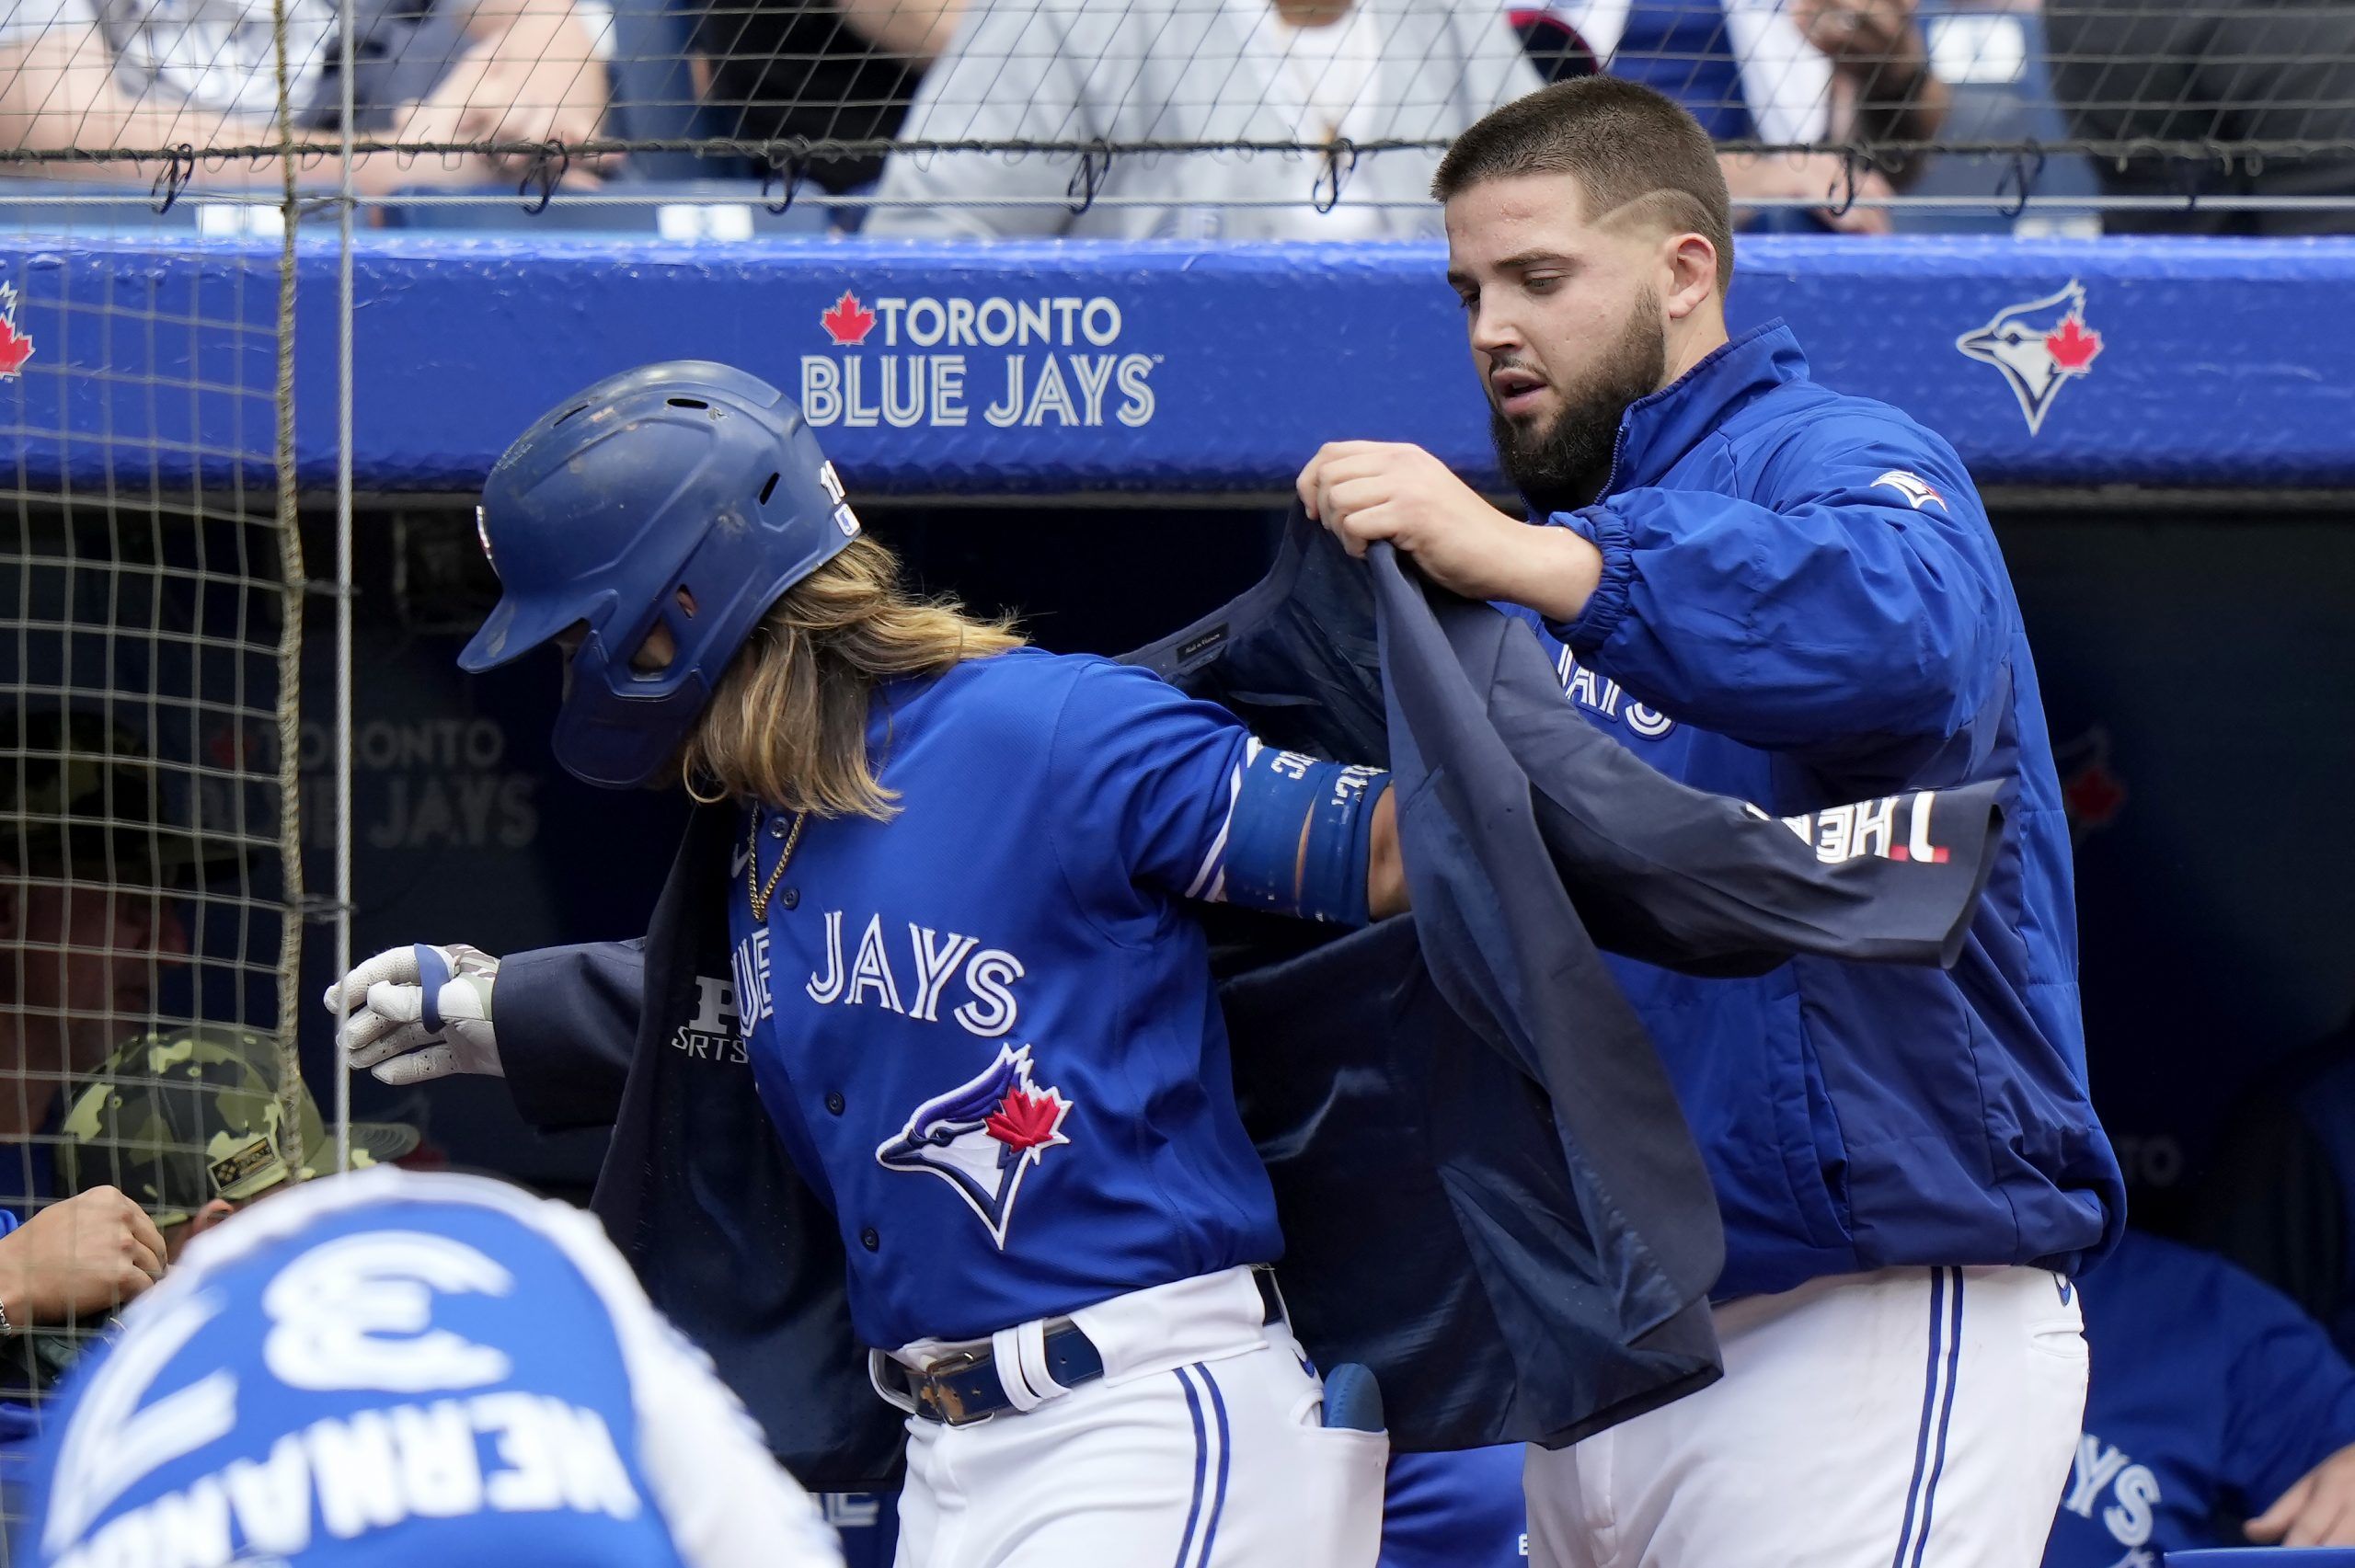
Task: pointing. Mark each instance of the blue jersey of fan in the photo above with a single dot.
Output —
(391, 1383)
(985, 1029)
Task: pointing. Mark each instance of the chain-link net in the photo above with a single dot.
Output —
(151, 596)
(982, 117)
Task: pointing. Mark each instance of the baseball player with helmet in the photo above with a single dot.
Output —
(1771, 591)
(978, 1013)
(390, 1369)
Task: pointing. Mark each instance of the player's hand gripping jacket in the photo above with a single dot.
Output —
(1486, 1186)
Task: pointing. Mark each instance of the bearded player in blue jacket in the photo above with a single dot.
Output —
(1771, 591)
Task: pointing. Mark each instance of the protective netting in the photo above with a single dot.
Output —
(151, 603)
(1027, 110)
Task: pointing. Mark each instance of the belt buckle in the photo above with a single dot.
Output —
(947, 1403)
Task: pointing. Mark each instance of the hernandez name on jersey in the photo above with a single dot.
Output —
(390, 1369)
(985, 1029)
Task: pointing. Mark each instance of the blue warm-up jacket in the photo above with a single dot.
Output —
(1801, 604)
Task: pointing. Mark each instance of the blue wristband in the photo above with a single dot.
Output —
(1299, 838)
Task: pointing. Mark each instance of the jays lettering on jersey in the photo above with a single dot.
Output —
(343, 1380)
(986, 1029)
(2210, 1393)
(1801, 605)
(1414, 1087)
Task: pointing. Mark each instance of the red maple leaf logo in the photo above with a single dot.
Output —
(1024, 1120)
(2073, 347)
(14, 350)
(848, 322)
(2093, 794)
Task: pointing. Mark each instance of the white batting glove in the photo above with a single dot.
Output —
(421, 1011)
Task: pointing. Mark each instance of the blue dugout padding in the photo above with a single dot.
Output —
(1048, 367)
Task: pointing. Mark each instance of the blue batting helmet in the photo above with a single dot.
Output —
(687, 494)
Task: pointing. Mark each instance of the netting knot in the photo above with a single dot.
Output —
(2022, 175)
(789, 167)
(546, 171)
(1095, 164)
(1340, 158)
(179, 167)
(1847, 185)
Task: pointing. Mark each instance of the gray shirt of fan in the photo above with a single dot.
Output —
(211, 54)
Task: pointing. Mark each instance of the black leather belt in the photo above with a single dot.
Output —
(960, 1390)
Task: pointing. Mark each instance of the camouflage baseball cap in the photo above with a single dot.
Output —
(177, 1119)
(81, 798)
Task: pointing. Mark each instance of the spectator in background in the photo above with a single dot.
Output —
(93, 871)
(2223, 71)
(2212, 1400)
(1314, 72)
(2278, 1196)
(1782, 71)
(90, 865)
(93, 868)
(96, 75)
(777, 69)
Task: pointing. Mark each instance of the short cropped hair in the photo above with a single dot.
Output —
(1621, 140)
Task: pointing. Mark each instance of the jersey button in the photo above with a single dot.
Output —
(835, 1101)
(777, 828)
(791, 898)
(869, 1240)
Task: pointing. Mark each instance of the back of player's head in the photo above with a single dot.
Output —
(425, 1368)
(1624, 144)
(679, 499)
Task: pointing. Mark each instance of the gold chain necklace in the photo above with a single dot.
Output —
(762, 894)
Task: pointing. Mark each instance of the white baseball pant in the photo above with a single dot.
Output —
(1906, 1418)
(1201, 1447)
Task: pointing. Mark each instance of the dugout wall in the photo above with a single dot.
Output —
(1096, 437)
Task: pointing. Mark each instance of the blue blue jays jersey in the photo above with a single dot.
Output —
(394, 1369)
(2209, 1395)
(1455, 1510)
(985, 1029)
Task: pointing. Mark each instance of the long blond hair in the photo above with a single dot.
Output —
(788, 725)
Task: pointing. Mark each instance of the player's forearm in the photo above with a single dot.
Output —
(1385, 869)
(1901, 101)
(1556, 572)
(918, 31)
(61, 95)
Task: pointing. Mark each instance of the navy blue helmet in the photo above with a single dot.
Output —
(687, 494)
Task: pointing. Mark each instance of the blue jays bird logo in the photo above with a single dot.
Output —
(2040, 347)
(1918, 492)
(983, 1137)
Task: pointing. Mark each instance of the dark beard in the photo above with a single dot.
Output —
(1562, 466)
